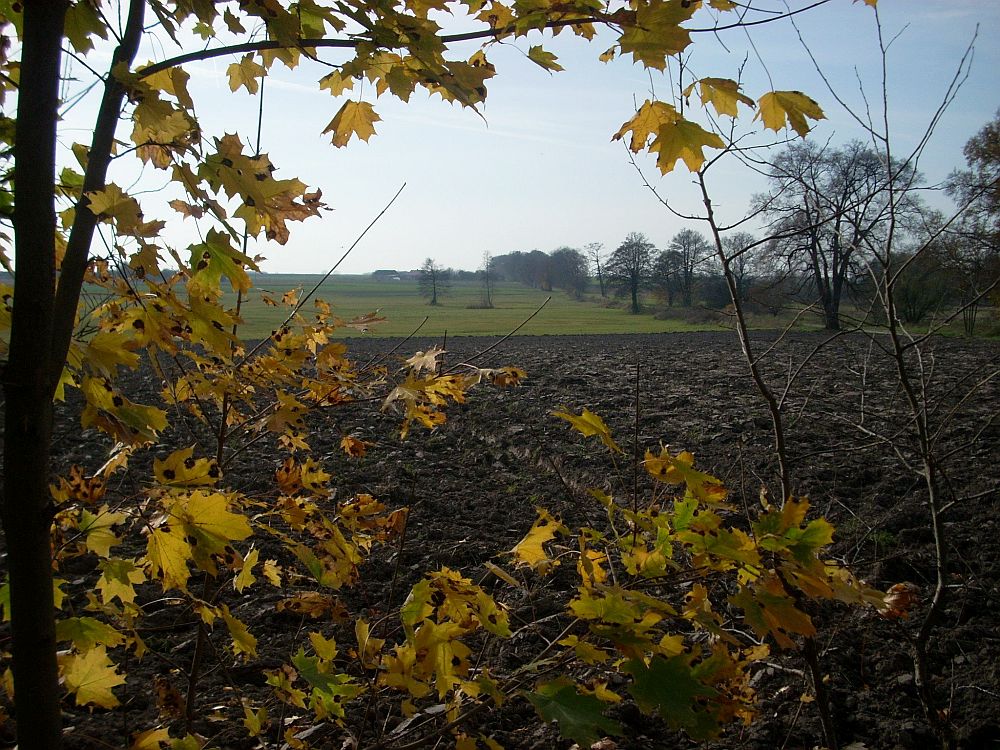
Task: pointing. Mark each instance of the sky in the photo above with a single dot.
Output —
(539, 170)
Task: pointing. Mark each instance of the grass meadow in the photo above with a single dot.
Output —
(456, 314)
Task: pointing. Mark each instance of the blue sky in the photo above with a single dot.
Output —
(541, 170)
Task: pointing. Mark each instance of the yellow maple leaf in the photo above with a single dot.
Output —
(78, 487)
(113, 203)
(770, 610)
(167, 555)
(353, 447)
(90, 676)
(354, 118)
(208, 526)
(246, 73)
(181, 469)
(588, 424)
(312, 604)
(272, 572)
(497, 15)
(425, 360)
(336, 83)
(680, 469)
(99, 529)
(111, 412)
(245, 578)
(118, 579)
(173, 81)
(105, 351)
(325, 648)
(216, 257)
(531, 549)
(646, 122)
(683, 140)
(544, 59)
(243, 641)
(313, 476)
(588, 565)
(775, 107)
(151, 739)
(721, 93)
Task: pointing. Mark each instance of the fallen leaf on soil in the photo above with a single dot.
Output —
(899, 600)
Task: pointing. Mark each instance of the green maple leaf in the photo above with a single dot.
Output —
(609, 606)
(656, 32)
(669, 687)
(781, 529)
(216, 257)
(776, 107)
(233, 22)
(580, 717)
(86, 632)
(417, 606)
(318, 673)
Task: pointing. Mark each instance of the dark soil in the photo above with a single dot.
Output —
(473, 485)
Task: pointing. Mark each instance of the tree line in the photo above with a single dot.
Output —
(824, 212)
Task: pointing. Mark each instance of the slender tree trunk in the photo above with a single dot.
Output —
(27, 510)
(74, 264)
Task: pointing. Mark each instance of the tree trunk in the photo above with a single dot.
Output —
(831, 315)
(27, 511)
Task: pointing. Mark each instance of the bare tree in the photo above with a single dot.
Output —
(486, 276)
(630, 266)
(434, 281)
(827, 208)
(666, 276)
(739, 248)
(975, 249)
(692, 249)
(596, 258)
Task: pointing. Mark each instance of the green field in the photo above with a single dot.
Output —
(400, 302)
